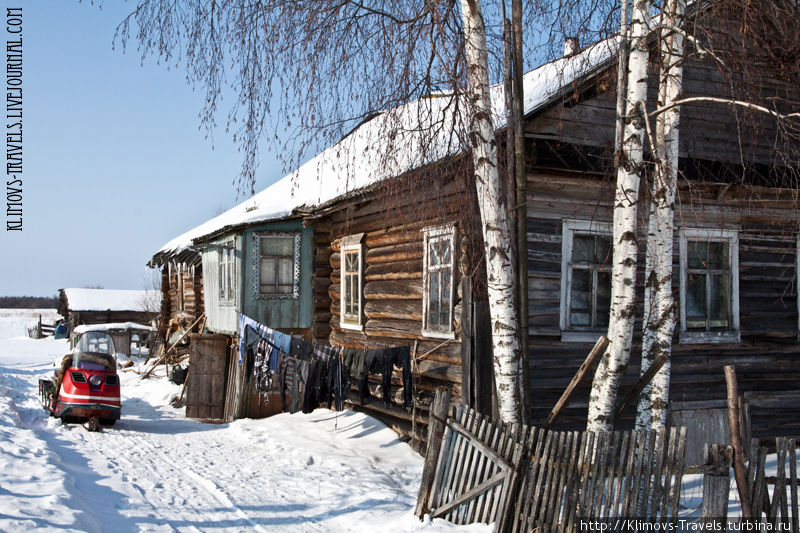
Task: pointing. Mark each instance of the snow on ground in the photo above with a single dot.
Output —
(157, 471)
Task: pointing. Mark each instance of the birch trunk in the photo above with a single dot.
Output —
(500, 268)
(630, 171)
(660, 311)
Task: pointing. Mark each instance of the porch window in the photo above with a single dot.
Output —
(278, 265)
(585, 279)
(351, 286)
(225, 273)
(709, 286)
(438, 276)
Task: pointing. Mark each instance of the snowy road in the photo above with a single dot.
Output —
(157, 471)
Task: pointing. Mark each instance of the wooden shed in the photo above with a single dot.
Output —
(100, 306)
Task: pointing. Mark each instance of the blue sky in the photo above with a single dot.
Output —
(115, 164)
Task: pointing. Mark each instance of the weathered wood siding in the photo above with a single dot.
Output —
(768, 357)
(709, 131)
(286, 314)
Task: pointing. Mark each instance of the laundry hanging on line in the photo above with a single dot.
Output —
(310, 375)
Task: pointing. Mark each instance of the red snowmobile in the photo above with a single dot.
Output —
(87, 385)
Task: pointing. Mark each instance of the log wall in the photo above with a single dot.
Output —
(768, 357)
(182, 295)
(393, 243)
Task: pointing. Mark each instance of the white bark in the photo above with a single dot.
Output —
(500, 268)
(660, 312)
(623, 275)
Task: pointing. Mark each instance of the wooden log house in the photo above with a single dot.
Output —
(377, 244)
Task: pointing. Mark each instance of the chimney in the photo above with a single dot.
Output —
(571, 46)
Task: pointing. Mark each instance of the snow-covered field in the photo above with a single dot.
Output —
(157, 471)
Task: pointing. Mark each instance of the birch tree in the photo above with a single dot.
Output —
(500, 268)
(660, 311)
(630, 172)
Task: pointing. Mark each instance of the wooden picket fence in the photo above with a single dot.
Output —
(777, 508)
(574, 476)
(531, 479)
(476, 469)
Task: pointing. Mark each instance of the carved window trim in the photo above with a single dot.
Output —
(256, 265)
(352, 244)
(433, 234)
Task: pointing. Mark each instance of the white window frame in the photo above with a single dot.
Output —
(349, 244)
(439, 233)
(568, 230)
(226, 269)
(715, 235)
(295, 294)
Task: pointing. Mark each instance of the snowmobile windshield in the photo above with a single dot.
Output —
(94, 351)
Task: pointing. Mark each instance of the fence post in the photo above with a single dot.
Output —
(436, 423)
(716, 486)
(739, 469)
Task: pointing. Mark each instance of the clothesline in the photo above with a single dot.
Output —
(292, 357)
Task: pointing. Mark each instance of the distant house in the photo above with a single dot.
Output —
(99, 306)
(390, 254)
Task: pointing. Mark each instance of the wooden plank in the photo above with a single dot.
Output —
(443, 466)
(779, 492)
(462, 472)
(553, 494)
(759, 484)
(594, 474)
(793, 487)
(472, 493)
(612, 474)
(541, 476)
(461, 442)
(481, 506)
(646, 378)
(716, 486)
(736, 440)
(675, 495)
(473, 479)
(436, 423)
(621, 456)
(583, 370)
(657, 479)
(486, 450)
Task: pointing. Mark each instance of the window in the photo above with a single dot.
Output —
(438, 276)
(585, 279)
(351, 303)
(276, 265)
(709, 285)
(225, 272)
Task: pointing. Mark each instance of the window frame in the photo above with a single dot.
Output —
(349, 244)
(731, 236)
(569, 228)
(256, 265)
(228, 300)
(441, 232)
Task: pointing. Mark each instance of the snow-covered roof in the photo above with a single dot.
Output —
(113, 326)
(359, 160)
(106, 299)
